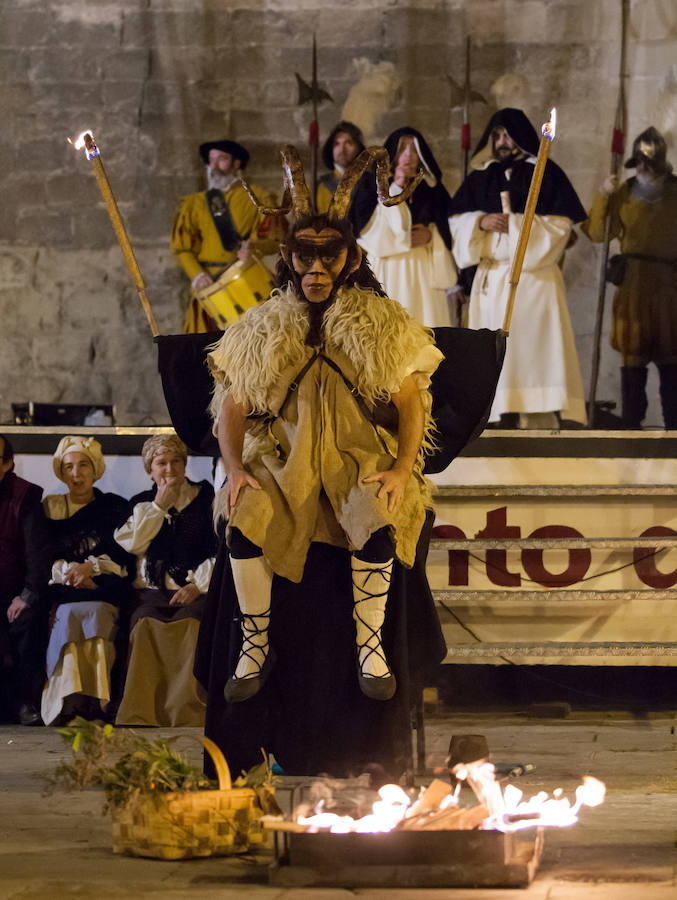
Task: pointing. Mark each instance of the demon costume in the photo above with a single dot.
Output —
(211, 226)
(418, 276)
(316, 381)
(541, 372)
(643, 215)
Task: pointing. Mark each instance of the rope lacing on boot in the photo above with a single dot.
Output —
(249, 631)
(385, 571)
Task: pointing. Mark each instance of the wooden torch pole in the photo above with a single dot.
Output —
(548, 132)
(94, 156)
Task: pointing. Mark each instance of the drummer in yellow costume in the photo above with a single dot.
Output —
(216, 227)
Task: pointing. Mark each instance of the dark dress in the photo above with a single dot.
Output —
(81, 614)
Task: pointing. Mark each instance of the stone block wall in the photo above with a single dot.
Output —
(153, 78)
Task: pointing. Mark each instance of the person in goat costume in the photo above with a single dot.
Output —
(322, 410)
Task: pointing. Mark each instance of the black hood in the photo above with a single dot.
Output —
(429, 160)
(428, 203)
(518, 127)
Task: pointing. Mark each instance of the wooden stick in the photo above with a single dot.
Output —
(94, 156)
(528, 218)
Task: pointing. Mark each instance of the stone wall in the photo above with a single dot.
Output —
(153, 78)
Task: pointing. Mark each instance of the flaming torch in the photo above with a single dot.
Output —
(93, 154)
(548, 134)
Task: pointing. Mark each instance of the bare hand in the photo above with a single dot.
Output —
(79, 575)
(245, 251)
(236, 479)
(610, 185)
(185, 595)
(495, 222)
(168, 492)
(420, 235)
(15, 608)
(393, 483)
(202, 282)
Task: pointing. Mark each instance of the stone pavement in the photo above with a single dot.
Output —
(59, 846)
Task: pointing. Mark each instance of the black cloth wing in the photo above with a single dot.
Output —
(463, 388)
(187, 386)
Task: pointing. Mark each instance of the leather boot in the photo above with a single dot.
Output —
(371, 582)
(633, 394)
(668, 390)
(253, 582)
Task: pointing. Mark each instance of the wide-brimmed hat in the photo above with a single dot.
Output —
(237, 151)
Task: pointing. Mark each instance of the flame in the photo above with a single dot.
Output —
(508, 811)
(550, 128)
(80, 142)
(385, 815)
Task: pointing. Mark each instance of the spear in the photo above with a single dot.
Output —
(617, 147)
(465, 131)
(313, 93)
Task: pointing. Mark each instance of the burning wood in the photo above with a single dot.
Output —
(437, 808)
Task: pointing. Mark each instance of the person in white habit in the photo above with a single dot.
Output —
(409, 245)
(541, 380)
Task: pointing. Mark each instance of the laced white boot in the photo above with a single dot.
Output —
(371, 582)
(253, 582)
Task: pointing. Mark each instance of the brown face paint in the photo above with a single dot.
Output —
(318, 258)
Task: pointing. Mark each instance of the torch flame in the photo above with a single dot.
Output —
(550, 127)
(85, 139)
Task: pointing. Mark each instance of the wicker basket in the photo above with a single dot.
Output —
(191, 823)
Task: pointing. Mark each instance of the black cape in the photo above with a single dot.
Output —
(482, 188)
(427, 204)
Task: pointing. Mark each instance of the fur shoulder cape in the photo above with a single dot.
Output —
(381, 340)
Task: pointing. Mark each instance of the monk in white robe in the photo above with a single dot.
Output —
(541, 377)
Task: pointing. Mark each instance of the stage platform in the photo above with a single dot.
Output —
(551, 547)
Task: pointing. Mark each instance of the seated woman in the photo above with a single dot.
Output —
(170, 532)
(90, 583)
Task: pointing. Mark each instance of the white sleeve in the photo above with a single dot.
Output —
(104, 565)
(547, 239)
(468, 239)
(202, 575)
(141, 527)
(59, 567)
(388, 232)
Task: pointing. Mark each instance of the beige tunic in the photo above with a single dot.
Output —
(311, 453)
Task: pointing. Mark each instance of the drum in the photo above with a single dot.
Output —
(246, 283)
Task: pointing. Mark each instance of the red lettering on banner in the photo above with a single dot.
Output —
(496, 560)
(458, 559)
(645, 562)
(579, 559)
